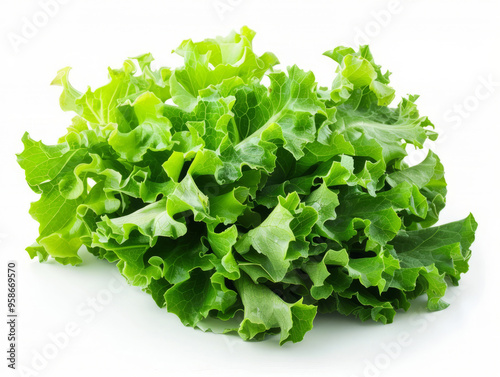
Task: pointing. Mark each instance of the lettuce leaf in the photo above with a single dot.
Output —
(245, 207)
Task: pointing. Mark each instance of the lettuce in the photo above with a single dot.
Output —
(247, 208)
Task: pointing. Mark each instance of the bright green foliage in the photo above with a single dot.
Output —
(244, 207)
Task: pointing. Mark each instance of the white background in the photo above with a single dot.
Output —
(443, 50)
